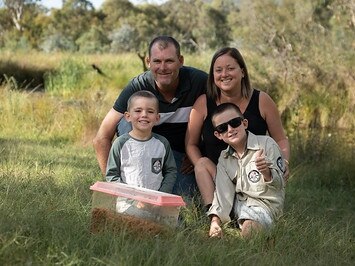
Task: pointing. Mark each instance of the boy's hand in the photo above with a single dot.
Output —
(140, 205)
(262, 165)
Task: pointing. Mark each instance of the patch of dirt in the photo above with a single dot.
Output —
(102, 220)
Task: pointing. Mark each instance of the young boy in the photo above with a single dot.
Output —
(249, 182)
(140, 157)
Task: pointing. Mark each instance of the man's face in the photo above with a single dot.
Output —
(164, 64)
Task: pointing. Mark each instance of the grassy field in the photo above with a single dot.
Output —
(47, 165)
(45, 208)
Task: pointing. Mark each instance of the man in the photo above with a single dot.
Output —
(176, 87)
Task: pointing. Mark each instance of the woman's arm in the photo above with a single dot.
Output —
(269, 111)
(194, 128)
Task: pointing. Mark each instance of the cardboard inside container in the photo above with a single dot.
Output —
(149, 205)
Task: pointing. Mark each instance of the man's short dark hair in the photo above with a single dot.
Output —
(164, 41)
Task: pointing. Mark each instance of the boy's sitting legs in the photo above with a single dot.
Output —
(252, 219)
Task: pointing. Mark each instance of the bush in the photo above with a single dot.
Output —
(58, 42)
(124, 39)
(93, 41)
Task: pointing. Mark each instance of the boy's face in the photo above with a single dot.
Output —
(232, 128)
(143, 114)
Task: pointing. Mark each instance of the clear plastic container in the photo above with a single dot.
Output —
(142, 203)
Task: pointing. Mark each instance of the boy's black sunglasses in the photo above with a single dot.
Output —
(235, 122)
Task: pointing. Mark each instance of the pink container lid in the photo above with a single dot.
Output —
(137, 193)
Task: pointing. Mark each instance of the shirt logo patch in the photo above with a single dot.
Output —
(156, 165)
(280, 164)
(254, 176)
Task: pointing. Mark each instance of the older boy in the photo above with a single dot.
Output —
(140, 157)
(249, 182)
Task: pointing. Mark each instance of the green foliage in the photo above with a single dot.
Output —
(203, 24)
(94, 41)
(68, 77)
(15, 41)
(5, 23)
(57, 42)
(297, 59)
(74, 101)
(117, 12)
(124, 39)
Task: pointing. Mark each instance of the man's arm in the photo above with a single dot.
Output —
(103, 139)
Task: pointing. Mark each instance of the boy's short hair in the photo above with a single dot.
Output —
(223, 107)
(144, 94)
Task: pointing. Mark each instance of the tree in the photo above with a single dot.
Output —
(73, 20)
(213, 30)
(78, 4)
(93, 41)
(5, 21)
(124, 39)
(16, 8)
(117, 13)
(149, 22)
(58, 42)
(184, 14)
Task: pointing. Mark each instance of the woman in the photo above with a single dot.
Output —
(228, 81)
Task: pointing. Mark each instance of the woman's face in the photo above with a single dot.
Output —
(227, 73)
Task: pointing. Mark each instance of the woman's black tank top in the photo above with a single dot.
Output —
(211, 146)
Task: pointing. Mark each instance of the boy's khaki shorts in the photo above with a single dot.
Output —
(258, 214)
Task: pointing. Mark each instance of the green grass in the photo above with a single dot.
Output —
(45, 208)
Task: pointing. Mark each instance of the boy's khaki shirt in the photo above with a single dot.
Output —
(239, 177)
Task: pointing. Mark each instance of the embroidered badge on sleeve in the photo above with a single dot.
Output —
(156, 165)
(280, 164)
(254, 176)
